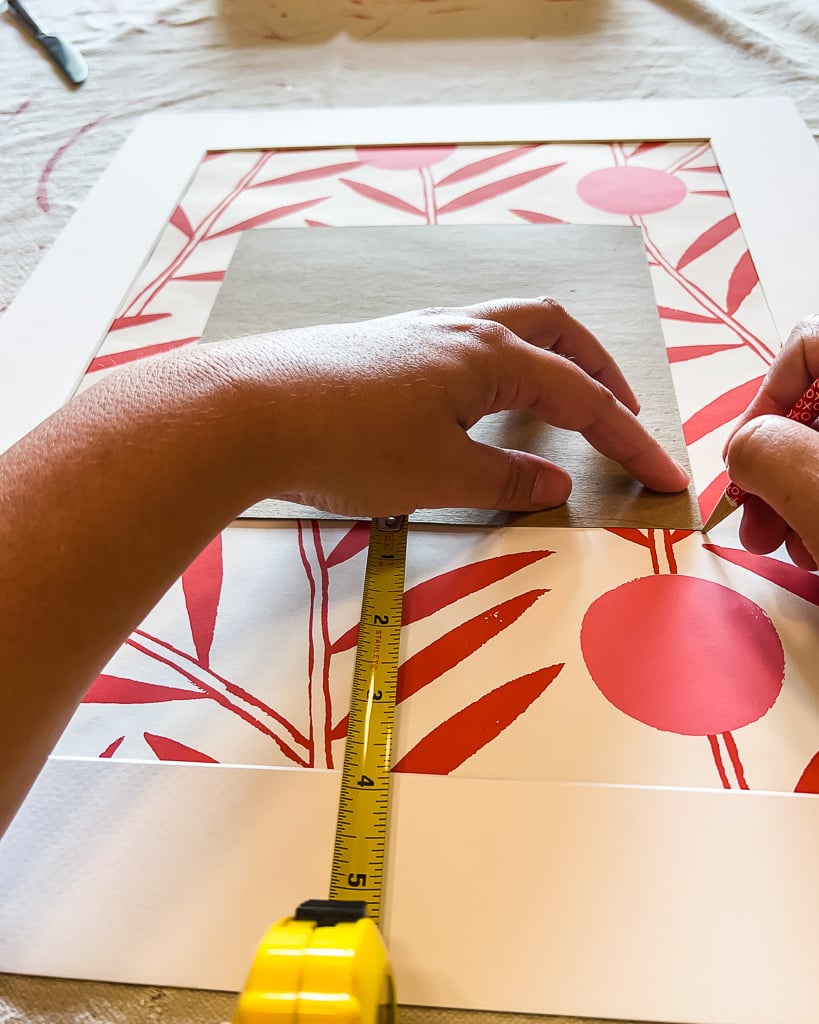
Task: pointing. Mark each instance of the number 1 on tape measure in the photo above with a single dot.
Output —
(363, 815)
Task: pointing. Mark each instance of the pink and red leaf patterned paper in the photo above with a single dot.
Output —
(248, 658)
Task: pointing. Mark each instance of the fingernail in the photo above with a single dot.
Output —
(548, 492)
(684, 472)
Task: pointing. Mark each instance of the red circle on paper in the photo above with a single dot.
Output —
(683, 654)
(403, 158)
(631, 190)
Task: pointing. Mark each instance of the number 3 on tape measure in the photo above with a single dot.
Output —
(361, 834)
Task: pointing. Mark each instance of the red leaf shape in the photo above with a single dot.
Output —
(809, 779)
(482, 166)
(116, 690)
(266, 218)
(473, 727)
(645, 147)
(666, 313)
(181, 222)
(385, 198)
(171, 750)
(431, 596)
(720, 192)
(353, 541)
(709, 239)
(340, 731)
(122, 322)
(711, 495)
(224, 700)
(132, 354)
(677, 535)
(635, 536)
(315, 223)
(711, 169)
(743, 280)
(533, 217)
(311, 174)
(210, 275)
(796, 581)
(112, 748)
(456, 645)
(496, 188)
(202, 586)
(721, 411)
(682, 353)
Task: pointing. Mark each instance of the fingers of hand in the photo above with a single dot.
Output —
(462, 366)
(545, 323)
(568, 398)
(778, 460)
(792, 372)
(798, 552)
(762, 529)
(496, 478)
(562, 393)
(630, 444)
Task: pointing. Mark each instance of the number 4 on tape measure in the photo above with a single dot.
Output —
(328, 961)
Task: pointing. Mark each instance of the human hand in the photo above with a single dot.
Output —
(370, 418)
(150, 463)
(776, 460)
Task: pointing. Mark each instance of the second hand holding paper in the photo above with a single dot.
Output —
(805, 410)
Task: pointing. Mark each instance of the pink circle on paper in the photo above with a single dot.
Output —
(631, 190)
(403, 158)
(683, 654)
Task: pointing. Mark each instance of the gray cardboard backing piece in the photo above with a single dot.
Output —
(297, 277)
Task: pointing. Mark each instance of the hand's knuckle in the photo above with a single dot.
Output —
(808, 325)
(509, 495)
(751, 443)
(474, 337)
(436, 312)
(806, 330)
(603, 408)
(553, 307)
(491, 333)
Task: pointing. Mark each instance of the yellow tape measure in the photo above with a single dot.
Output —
(328, 963)
(363, 813)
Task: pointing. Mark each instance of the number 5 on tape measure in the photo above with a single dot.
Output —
(328, 964)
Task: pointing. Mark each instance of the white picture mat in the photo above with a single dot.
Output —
(650, 904)
(767, 157)
(771, 166)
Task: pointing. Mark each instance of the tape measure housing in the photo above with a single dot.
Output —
(305, 972)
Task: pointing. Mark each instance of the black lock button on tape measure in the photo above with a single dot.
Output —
(328, 963)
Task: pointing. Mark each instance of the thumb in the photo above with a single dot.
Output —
(500, 478)
(778, 460)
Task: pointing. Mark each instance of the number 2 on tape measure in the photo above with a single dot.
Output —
(361, 834)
